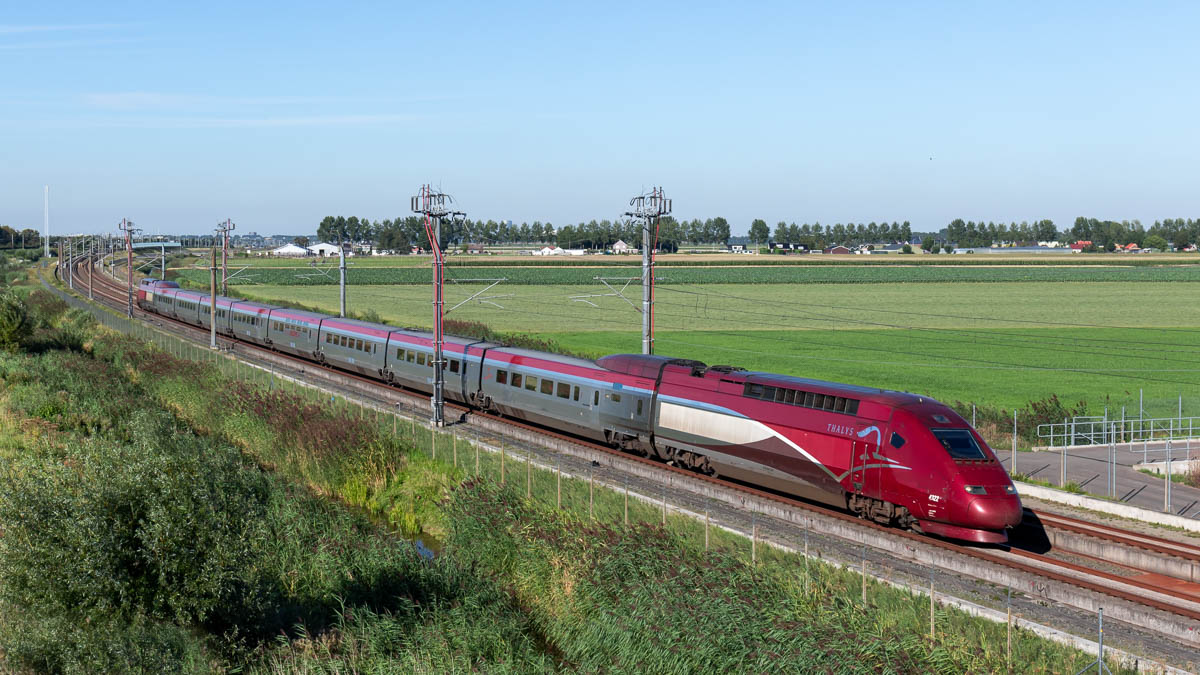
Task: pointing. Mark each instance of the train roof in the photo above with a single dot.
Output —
(222, 301)
(457, 340)
(252, 307)
(312, 318)
(521, 352)
(356, 327)
(157, 283)
(644, 365)
(885, 396)
(649, 365)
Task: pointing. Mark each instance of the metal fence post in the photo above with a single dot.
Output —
(1012, 465)
(753, 539)
(932, 624)
(864, 574)
(1167, 480)
(1008, 647)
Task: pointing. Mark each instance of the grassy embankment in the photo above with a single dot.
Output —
(160, 549)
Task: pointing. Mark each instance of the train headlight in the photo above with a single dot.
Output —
(976, 490)
(1010, 489)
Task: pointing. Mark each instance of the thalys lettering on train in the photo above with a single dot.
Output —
(893, 457)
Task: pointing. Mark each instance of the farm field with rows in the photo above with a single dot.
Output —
(998, 344)
(586, 276)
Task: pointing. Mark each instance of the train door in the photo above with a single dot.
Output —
(865, 468)
(614, 411)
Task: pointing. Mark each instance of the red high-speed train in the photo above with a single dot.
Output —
(896, 458)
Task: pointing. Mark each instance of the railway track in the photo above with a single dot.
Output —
(1144, 595)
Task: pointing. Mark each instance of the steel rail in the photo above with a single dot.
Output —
(829, 512)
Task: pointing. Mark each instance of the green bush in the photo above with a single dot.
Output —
(161, 527)
(15, 325)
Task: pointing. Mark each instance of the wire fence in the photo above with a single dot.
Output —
(1105, 431)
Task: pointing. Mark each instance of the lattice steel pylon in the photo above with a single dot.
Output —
(223, 229)
(127, 227)
(435, 206)
(648, 208)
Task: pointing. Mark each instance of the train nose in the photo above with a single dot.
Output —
(994, 513)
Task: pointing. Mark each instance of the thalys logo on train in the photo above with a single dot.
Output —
(843, 429)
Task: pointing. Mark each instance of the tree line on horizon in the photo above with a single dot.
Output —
(11, 238)
(1106, 235)
(403, 233)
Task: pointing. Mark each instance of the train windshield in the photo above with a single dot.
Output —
(959, 443)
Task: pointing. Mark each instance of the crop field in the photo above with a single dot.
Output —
(731, 260)
(586, 276)
(997, 344)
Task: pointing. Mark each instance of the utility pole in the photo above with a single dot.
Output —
(70, 274)
(93, 248)
(46, 224)
(341, 276)
(127, 227)
(648, 209)
(224, 229)
(212, 300)
(435, 206)
(163, 252)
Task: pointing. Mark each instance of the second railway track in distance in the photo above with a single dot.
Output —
(1137, 597)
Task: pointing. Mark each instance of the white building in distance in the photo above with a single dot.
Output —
(324, 250)
(290, 251)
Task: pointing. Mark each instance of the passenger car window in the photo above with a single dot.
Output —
(564, 390)
(959, 443)
(516, 380)
(548, 387)
(531, 383)
(453, 366)
(502, 377)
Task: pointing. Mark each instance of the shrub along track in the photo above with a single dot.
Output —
(1141, 604)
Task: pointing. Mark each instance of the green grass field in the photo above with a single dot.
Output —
(997, 344)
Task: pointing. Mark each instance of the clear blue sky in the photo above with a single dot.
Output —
(181, 116)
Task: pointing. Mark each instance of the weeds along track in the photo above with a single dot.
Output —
(1130, 586)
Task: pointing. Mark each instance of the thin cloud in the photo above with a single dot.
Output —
(68, 44)
(151, 100)
(56, 28)
(238, 122)
(314, 121)
(141, 100)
